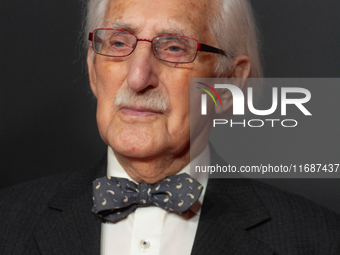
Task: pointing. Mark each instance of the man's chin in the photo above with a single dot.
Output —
(134, 151)
(137, 140)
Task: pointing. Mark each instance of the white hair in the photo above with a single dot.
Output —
(94, 17)
(233, 27)
(235, 31)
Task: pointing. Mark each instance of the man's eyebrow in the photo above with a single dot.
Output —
(117, 24)
(172, 31)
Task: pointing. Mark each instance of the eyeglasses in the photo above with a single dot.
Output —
(170, 48)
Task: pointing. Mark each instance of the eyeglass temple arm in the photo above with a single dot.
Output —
(96, 38)
(207, 48)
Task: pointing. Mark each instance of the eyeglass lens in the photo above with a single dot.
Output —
(115, 43)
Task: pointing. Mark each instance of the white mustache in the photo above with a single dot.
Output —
(152, 99)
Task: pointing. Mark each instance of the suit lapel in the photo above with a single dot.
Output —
(231, 208)
(69, 224)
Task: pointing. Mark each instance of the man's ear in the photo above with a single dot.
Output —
(241, 67)
(241, 70)
(92, 71)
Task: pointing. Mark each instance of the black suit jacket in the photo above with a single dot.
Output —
(239, 216)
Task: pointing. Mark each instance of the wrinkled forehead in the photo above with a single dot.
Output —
(185, 17)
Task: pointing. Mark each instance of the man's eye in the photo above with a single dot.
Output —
(118, 44)
(174, 48)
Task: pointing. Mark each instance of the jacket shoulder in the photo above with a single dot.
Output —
(32, 195)
(304, 225)
(20, 210)
(278, 201)
(22, 207)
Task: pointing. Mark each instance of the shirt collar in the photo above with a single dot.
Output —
(115, 169)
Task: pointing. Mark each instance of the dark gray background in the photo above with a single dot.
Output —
(47, 113)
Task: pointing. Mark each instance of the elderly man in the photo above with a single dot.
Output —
(141, 56)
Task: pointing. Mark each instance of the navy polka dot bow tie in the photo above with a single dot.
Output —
(114, 198)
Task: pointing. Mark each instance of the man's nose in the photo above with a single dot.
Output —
(142, 67)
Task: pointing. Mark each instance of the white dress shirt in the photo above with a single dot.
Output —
(152, 230)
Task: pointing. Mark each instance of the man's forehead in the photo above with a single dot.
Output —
(163, 17)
